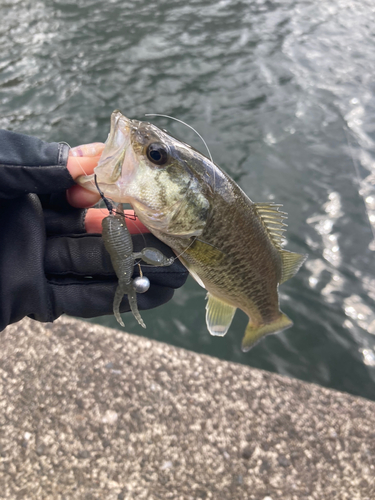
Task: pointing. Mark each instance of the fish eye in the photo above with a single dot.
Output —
(157, 153)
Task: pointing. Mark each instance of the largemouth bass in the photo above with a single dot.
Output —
(231, 246)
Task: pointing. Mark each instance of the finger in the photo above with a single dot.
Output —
(93, 149)
(78, 256)
(82, 166)
(79, 197)
(94, 217)
(81, 161)
(87, 300)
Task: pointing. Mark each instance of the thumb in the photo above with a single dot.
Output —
(83, 159)
(93, 149)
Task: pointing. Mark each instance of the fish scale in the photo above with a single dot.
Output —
(244, 286)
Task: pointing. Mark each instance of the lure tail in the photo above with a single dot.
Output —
(132, 298)
(120, 292)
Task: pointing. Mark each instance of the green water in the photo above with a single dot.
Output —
(283, 93)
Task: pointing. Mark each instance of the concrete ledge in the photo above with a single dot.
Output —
(87, 412)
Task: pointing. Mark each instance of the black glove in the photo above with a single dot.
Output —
(48, 264)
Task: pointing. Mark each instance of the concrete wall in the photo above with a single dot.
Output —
(87, 412)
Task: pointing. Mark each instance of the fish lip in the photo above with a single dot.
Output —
(116, 118)
(111, 167)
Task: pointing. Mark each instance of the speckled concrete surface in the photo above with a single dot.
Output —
(92, 413)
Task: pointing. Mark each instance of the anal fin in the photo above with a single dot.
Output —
(255, 332)
(219, 316)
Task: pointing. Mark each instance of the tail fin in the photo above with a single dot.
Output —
(255, 332)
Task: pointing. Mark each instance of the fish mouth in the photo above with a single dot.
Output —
(114, 170)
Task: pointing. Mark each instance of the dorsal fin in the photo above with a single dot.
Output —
(291, 263)
(272, 219)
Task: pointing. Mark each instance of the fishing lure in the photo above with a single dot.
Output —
(118, 243)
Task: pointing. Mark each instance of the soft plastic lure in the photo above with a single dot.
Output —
(118, 243)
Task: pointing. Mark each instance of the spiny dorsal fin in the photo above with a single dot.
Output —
(272, 219)
(291, 263)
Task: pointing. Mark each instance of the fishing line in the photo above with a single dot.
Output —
(187, 248)
(192, 128)
(110, 204)
(177, 256)
(187, 125)
(107, 201)
(85, 173)
(209, 153)
(112, 211)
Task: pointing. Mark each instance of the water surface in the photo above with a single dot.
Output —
(283, 93)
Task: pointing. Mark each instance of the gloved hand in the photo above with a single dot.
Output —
(49, 265)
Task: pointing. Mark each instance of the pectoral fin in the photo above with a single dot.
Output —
(254, 332)
(219, 316)
(205, 253)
